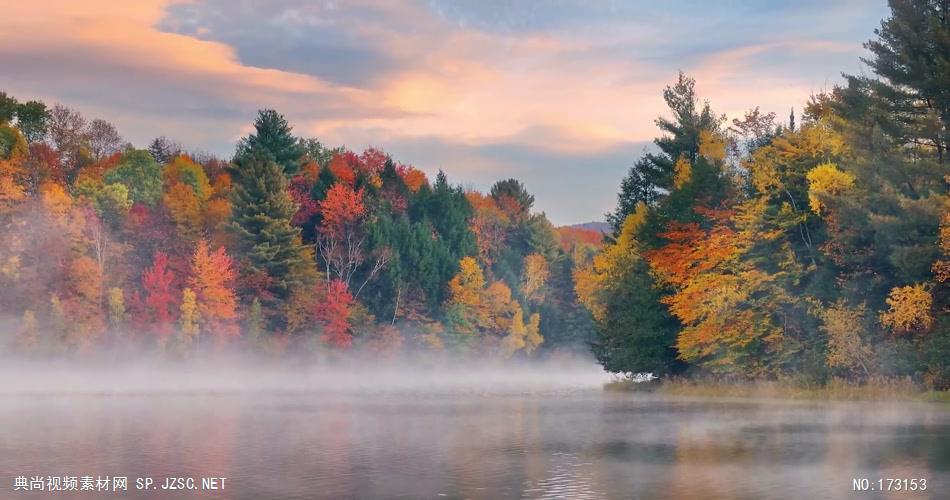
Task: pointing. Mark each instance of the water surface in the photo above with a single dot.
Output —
(445, 440)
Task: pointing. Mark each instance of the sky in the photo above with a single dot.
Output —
(560, 94)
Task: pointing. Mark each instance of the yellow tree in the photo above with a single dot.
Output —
(841, 325)
(467, 294)
(536, 274)
(515, 340)
(909, 310)
(533, 337)
(188, 320)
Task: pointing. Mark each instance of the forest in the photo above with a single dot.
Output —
(807, 248)
(290, 246)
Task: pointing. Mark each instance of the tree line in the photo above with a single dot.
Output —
(767, 248)
(290, 246)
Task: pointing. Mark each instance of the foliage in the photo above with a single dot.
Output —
(140, 174)
(826, 180)
(908, 309)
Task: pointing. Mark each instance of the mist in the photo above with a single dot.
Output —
(354, 373)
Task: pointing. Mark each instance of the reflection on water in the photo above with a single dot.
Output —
(402, 444)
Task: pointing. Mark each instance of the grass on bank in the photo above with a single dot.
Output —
(879, 389)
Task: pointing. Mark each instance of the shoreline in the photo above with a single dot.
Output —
(896, 389)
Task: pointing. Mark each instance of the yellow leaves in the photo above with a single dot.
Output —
(490, 309)
(841, 324)
(712, 145)
(12, 144)
(609, 266)
(522, 336)
(682, 173)
(55, 201)
(514, 341)
(826, 180)
(188, 321)
(11, 193)
(533, 337)
(183, 170)
(184, 208)
(535, 276)
(909, 309)
(941, 268)
(465, 288)
(116, 302)
(500, 306)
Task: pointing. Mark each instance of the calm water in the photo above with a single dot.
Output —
(400, 443)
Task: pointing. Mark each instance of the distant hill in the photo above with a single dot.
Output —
(600, 227)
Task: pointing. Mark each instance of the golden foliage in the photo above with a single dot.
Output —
(909, 309)
(941, 268)
(712, 145)
(609, 266)
(515, 340)
(188, 321)
(826, 180)
(533, 337)
(115, 300)
(841, 325)
(536, 274)
(682, 173)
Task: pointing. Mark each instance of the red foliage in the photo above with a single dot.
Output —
(692, 251)
(373, 160)
(341, 210)
(573, 236)
(334, 312)
(44, 164)
(159, 297)
(342, 167)
(299, 190)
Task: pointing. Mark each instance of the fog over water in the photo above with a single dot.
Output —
(452, 429)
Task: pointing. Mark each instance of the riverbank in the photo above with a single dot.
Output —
(900, 389)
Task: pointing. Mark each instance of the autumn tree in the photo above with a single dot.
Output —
(909, 309)
(536, 273)
(159, 300)
(188, 319)
(140, 174)
(333, 311)
(342, 238)
(846, 349)
(211, 280)
(67, 133)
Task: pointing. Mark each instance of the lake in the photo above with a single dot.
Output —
(454, 434)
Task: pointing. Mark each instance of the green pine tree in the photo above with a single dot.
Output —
(273, 134)
(270, 246)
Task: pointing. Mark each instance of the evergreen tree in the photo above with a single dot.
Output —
(273, 135)
(651, 178)
(272, 253)
(912, 56)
